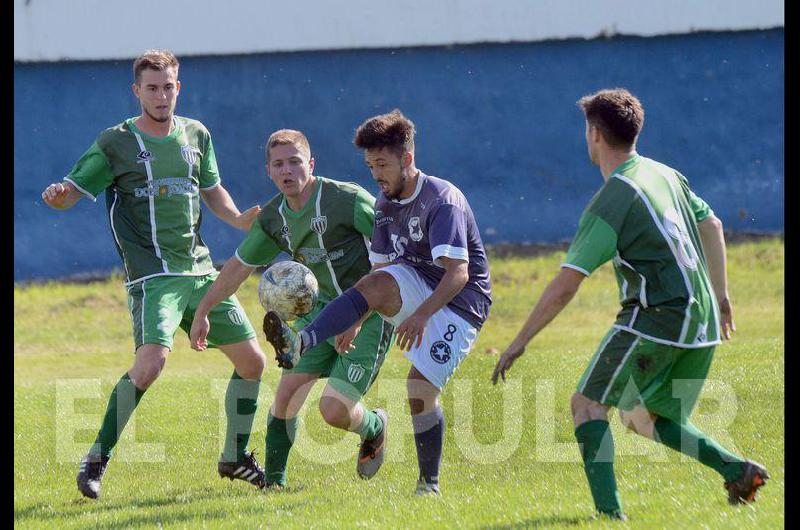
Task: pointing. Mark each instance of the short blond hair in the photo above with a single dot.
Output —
(154, 60)
(289, 137)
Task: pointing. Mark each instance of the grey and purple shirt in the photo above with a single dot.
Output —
(436, 221)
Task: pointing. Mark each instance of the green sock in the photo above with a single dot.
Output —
(597, 449)
(121, 404)
(280, 437)
(240, 409)
(371, 425)
(692, 442)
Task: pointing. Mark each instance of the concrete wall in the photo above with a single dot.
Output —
(50, 30)
(499, 120)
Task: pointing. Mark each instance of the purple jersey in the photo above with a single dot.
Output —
(436, 221)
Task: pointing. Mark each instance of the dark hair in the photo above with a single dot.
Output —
(154, 60)
(392, 130)
(617, 113)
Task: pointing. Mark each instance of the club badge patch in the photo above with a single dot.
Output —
(415, 229)
(440, 352)
(355, 373)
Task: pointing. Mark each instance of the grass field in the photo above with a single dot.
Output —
(510, 460)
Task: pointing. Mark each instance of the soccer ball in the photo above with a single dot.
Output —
(289, 289)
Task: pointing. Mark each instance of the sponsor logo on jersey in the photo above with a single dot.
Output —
(355, 372)
(166, 187)
(319, 224)
(189, 154)
(380, 221)
(144, 156)
(440, 352)
(415, 229)
(235, 315)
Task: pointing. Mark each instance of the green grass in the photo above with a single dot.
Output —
(510, 459)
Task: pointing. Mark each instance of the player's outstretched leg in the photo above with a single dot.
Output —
(337, 317)
(742, 477)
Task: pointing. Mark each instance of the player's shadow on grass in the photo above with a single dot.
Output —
(545, 521)
(81, 507)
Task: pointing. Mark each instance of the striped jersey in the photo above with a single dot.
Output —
(329, 235)
(645, 218)
(152, 195)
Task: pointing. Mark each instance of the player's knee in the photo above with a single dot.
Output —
(334, 412)
(627, 420)
(253, 367)
(378, 289)
(146, 375)
(582, 406)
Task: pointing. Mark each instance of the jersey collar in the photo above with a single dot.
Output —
(176, 129)
(310, 203)
(420, 182)
(629, 163)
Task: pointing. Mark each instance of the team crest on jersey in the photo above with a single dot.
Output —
(440, 352)
(189, 154)
(144, 156)
(355, 373)
(415, 229)
(235, 315)
(319, 224)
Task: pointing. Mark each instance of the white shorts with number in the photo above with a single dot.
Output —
(448, 338)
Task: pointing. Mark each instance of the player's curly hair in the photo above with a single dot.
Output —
(617, 113)
(392, 130)
(154, 60)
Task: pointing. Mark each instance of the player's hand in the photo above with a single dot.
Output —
(245, 219)
(55, 195)
(726, 319)
(344, 341)
(410, 331)
(506, 360)
(199, 332)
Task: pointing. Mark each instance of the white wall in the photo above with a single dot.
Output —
(50, 30)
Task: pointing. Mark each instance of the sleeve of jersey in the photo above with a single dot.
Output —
(700, 208)
(91, 173)
(209, 172)
(380, 247)
(257, 248)
(594, 244)
(364, 212)
(447, 233)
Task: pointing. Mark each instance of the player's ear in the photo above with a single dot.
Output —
(311, 166)
(408, 159)
(177, 87)
(135, 89)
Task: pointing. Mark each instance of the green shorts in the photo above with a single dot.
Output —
(353, 373)
(628, 371)
(160, 305)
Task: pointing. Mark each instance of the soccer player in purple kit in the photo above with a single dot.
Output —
(430, 279)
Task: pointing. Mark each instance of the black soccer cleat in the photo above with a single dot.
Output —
(246, 469)
(743, 490)
(372, 452)
(91, 472)
(284, 340)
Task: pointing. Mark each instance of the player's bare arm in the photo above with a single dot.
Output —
(454, 279)
(713, 237)
(221, 203)
(556, 296)
(230, 278)
(61, 195)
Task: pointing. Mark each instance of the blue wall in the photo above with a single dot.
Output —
(500, 121)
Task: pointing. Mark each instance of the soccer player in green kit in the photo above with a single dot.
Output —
(154, 168)
(668, 251)
(326, 225)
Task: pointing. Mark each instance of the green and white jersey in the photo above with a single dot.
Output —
(644, 218)
(152, 194)
(329, 235)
